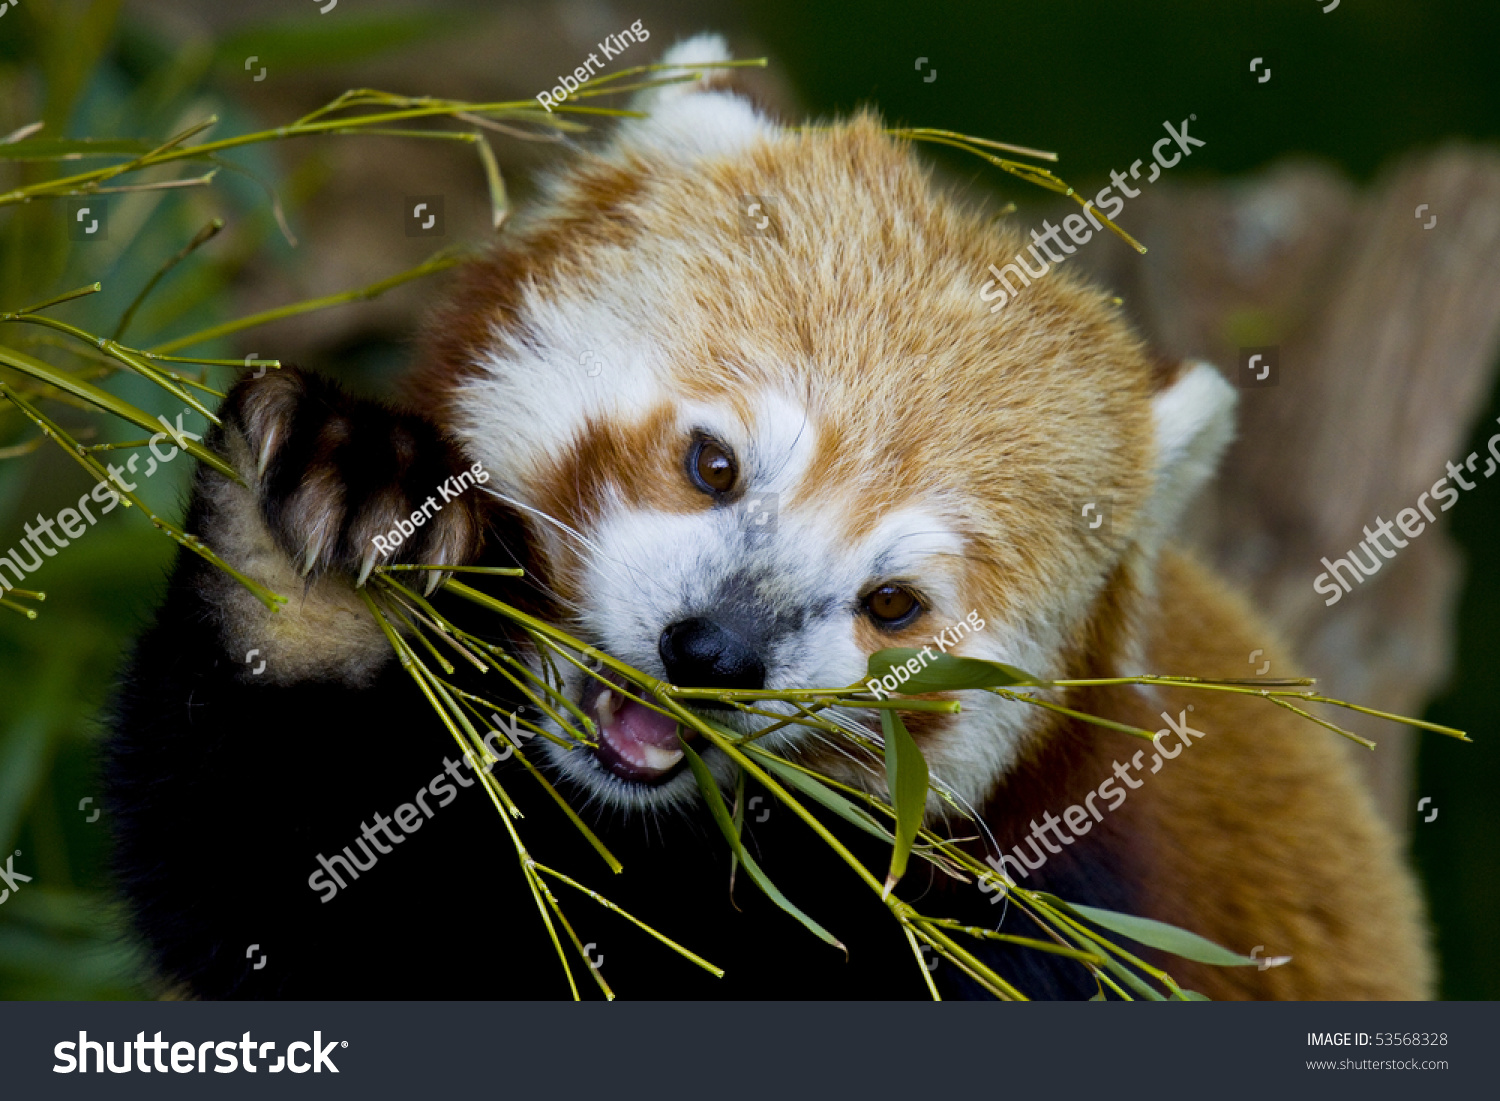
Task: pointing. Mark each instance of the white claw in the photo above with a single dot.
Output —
(266, 447)
(366, 568)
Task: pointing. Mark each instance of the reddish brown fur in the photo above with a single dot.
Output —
(1030, 399)
(1260, 831)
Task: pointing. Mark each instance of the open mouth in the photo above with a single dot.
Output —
(635, 742)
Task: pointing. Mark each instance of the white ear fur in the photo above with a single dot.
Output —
(1194, 420)
(705, 48)
(689, 120)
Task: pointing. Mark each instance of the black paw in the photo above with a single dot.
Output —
(346, 484)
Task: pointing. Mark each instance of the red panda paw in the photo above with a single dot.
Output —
(346, 484)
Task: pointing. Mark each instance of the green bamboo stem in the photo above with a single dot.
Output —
(1030, 173)
(578, 823)
(103, 399)
(503, 658)
(443, 663)
(962, 958)
(442, 260)
(920, 132)
(120, 354)
(1421, 724)
(127, 445)
(1111, 948)
(1265, 689)
(916, 950)
(66, 296)
(248, 361)
(410, 663)
(541, 885)
(191, 542)
(1353, 737)
(717, 972)
(107, 365)
(202, 237)
(1082, 716)
(458, 647)
(172, 150)
(1010, 938)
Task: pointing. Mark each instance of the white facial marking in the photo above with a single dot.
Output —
(535, 397)
(792, 586)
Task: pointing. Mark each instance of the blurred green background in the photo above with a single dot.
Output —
(1355, 86)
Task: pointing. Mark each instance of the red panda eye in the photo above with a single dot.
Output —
(891, 605)
(713, 467)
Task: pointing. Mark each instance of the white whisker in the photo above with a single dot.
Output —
(601, 556)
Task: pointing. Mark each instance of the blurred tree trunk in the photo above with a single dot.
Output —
(1387, 332)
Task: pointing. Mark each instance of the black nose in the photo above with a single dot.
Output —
(698, 653)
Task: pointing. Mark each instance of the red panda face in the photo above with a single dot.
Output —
(752, 456)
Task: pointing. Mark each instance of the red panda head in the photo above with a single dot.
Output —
(754, 446)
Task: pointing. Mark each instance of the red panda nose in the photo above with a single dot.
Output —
(698, 653)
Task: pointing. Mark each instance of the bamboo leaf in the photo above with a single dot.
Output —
(820, 793)
(1156, 934)
(716, 807)
(103, 399)
(739, 828)
(1132, 980)
(945, 672)
(906, 773)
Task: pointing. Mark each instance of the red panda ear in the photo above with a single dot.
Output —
(697, 118)
(1194, 419)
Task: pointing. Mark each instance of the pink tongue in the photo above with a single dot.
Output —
(635, 742)
(641, 726)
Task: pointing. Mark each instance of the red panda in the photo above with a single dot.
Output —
(738, 448)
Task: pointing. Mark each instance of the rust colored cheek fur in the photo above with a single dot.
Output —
(642, 466)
